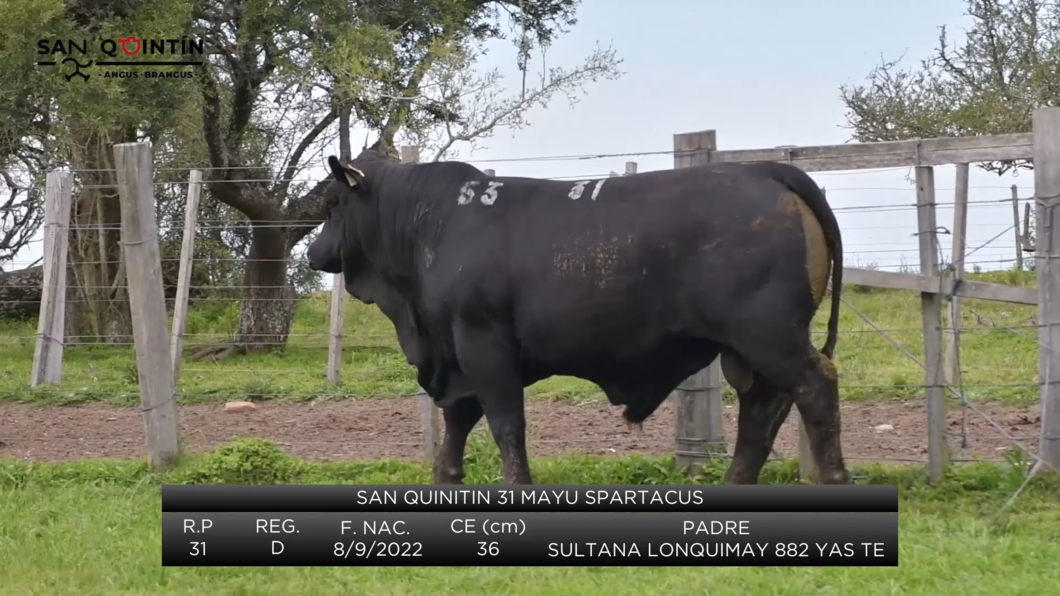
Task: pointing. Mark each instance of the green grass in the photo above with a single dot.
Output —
(93, 527)
(1000, 364)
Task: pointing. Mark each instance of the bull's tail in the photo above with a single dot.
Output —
(801, 184)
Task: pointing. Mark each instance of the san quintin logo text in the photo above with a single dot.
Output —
(123, 57)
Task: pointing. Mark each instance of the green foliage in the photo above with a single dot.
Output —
(261, 461)
(255, 110)
(952, 537)
(99, 105)
(989, 83)
(244, 461)
(47, 121)
(1000, 363)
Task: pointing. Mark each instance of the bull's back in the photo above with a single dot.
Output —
(651, 257)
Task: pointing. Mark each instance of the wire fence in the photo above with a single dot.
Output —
(366, 413)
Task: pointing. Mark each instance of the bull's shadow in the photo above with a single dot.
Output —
(633, 283)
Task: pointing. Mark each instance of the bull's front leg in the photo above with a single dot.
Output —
(487, 357)
(460, 418)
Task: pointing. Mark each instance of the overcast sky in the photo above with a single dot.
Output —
(762, 73)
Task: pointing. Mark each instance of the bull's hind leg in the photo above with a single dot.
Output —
(793, 366)
(817, 399)
(460, 418)
(763, 410)
(487, 357)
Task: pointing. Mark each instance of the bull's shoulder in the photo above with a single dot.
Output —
(443, 172)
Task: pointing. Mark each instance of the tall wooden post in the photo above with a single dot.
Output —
(699, 434)
(51, 323)
(1016, 226)
(338, 325)
(960, 232)
(931, 315)
(1046, 134)
(139, 239)
(187, 261)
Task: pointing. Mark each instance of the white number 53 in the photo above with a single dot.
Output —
(488, 196)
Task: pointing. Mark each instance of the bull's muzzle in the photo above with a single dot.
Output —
(327, 265)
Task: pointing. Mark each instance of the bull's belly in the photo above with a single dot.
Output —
(618, 363)
(595, 331)
(571, 345)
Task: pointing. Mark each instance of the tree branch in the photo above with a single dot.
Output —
(307, 208)
(296, 157)
(400, 113)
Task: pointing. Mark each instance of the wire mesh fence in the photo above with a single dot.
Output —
(368, 413)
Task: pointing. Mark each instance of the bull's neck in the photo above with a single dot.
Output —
(400, 204)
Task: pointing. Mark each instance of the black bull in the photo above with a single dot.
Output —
(632, 283)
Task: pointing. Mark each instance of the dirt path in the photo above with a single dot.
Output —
(389, 428)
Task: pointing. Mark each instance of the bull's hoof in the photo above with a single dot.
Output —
(639, 426)
(840, 477)
(736, 475)
(448, 476)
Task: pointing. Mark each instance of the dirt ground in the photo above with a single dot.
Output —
(390, 428)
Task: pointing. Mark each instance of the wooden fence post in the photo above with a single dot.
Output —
(960, 232)
(51, 323)
(699, 434)
(931, 315)
(1046, 135)
(139, 239)
(187, 261)
(428, 411)
(338, 325)
(1016, 226)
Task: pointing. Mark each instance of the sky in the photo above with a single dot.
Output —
(762, 73)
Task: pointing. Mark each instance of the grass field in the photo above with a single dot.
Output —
(94, 528)
(1000, 364)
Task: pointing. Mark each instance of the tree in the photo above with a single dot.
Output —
(288, 77)
(21, 215)
(50, 122)
(990, 83)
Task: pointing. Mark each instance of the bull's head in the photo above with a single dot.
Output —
(338, 249)
(340, 230)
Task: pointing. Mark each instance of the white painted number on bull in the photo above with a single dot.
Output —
(488, 197)
(596, 191)
(490, 194)
(579, 188)
(467, 192)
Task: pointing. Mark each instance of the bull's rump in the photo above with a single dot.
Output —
(654, 259)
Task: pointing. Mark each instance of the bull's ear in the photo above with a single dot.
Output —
(345, 173)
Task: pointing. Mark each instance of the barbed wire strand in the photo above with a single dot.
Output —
(868, 209)
(985, 416)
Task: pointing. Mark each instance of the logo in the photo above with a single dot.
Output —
(73, 57)
(77, 69)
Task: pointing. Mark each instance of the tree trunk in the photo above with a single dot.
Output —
(98, 265)
(269, 301)
(73, 319)
(96, 259)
